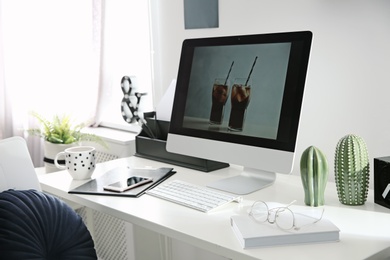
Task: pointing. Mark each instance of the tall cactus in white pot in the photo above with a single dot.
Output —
(352, 170)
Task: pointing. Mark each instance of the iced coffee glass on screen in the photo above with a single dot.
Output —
(219, 95)
(240, 97)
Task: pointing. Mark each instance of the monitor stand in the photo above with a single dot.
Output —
(248, 181)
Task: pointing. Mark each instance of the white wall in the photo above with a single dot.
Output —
(348, 84)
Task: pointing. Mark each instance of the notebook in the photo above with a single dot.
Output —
(95, 186)
(252, 234)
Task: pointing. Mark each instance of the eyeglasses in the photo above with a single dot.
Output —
(284, 217)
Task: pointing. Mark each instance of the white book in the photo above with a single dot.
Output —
(253, 234)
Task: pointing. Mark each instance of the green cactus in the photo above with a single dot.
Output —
(352, 170)
(314, 175)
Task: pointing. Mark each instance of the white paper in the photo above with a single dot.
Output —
(386, 191)
(164, 108)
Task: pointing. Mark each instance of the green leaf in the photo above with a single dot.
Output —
(61, 130)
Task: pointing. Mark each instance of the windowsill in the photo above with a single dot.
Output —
(111, 134)
(133, 128)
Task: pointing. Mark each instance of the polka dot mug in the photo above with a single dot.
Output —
(79, 161)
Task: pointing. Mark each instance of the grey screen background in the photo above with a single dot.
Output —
(267, 85)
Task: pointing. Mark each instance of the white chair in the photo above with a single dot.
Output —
(16, 168)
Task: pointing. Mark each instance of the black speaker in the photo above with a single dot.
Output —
(382, 181)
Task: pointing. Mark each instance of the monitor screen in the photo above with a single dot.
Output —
(238, 100)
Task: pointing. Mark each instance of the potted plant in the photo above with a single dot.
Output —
(59, 134)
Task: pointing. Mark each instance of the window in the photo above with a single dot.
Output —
(127, 52)
(50, 63)
(47, 57)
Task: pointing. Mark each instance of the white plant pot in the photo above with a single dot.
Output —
(50, 152)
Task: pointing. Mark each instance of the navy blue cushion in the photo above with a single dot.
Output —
(36, 225)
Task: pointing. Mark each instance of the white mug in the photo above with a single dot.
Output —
(79, 161)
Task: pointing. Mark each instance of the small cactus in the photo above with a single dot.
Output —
(314, 175)
(352, 170)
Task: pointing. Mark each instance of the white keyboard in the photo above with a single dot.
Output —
(193, 196)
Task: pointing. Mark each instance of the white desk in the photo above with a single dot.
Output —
(365, 230)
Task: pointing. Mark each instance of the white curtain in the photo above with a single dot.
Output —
(49, 63)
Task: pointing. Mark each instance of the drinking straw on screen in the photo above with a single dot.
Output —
(253, 65)
(231, 66)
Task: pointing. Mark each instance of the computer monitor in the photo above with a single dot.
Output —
(238, 100)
